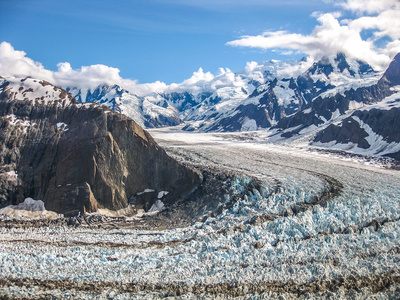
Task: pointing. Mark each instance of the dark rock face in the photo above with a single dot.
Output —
(348, 132)
(384, 123)
(243, 112)
(78, 157)
(392, 74)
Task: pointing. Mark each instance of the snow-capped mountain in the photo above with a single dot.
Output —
(363, 119)
(275, 96)
(257, 97)
(326, 103)
(38, 91)
(150, 111)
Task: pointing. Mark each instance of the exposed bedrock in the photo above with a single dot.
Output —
(81, 158)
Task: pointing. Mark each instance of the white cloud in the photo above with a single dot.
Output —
(333, 36)
(88, 76)
(250, 67)
(15, 63)
(197, 81)
(198, 77)
(370, 6)
(386, 23)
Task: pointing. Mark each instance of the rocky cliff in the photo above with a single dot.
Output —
(79, 157)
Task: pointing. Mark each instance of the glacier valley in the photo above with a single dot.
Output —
(308, 224)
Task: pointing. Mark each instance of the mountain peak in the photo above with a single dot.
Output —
(340, 64)
(65, 154)
(392, 74)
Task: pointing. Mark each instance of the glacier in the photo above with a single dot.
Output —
(319, 225)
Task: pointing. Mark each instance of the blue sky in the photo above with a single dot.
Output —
(168, 40)
(148, 40)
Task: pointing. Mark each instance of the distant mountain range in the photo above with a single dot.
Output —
(334, 103)
(363, 119)
(248, 100)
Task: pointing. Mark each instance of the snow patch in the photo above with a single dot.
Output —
(62, 126)
(13, 174)
(162, 194)
(25, 124)
(157, 206)
(249, 125)
(145, 191)
(29, 209)
(336, 114)
(284, 94)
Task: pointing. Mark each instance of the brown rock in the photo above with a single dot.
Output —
(96, 158)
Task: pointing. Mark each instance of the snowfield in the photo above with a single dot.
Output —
(319, 225)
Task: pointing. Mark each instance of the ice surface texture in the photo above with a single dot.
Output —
(282, 239)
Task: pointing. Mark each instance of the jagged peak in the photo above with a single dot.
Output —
(33, 89)
(340, 63)
(392, 73)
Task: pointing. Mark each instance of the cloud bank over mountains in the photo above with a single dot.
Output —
(335, 34)
(16, 63)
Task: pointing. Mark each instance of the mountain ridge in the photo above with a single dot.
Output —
(261, 95)
(80, 157)
(290, 99)
(364, 120)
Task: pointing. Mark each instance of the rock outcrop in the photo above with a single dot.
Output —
(79, 157)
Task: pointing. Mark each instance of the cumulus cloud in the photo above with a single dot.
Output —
(206, 81)
(333, 35)
(250, 67)
(16, 63)
(198, 80)
(88, 76)
(386, 23)
(370, 6)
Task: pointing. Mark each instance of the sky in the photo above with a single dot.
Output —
(169, 41)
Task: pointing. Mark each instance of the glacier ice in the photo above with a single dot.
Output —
(355, 233)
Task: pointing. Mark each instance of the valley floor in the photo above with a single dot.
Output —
(309, 224)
